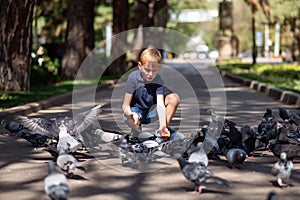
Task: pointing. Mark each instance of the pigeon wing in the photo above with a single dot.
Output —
(39, 125)
(85, 119)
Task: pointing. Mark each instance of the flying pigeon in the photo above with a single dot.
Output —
(282, 169)
(198, 173)
(56, 184)
(68, 163)
(51, 127)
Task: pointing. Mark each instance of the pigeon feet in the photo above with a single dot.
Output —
(197, 190)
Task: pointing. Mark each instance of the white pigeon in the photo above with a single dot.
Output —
(66, 142)
(68, 163)
(282, 169)
(56, 184)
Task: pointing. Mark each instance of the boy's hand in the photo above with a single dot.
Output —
(165, 133)
(132, 119)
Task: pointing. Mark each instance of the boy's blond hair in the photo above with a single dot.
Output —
(150, 55)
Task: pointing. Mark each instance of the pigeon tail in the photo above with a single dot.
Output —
(217, 180)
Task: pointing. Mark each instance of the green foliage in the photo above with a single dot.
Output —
(285, 76)
(44, 71)
(38, 93)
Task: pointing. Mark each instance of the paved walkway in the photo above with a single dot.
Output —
(22, 168)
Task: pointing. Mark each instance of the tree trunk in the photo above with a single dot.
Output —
(149, 13)
(254, 51)
(15, 44)
(79, 39)
(119, 42)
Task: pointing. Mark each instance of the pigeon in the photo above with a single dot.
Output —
(198, 173)
(284, 114)
(40, 125)
(234, 135)
(199, 155)
(292, 150)
(35, 139)
(12, 126)
(56, 184)
(268, 115)
(272, 196)
(249, 139)
(282, 169)
(214, 116)
(51, 128)
(66, 142)
(68, 163)
(235, 157)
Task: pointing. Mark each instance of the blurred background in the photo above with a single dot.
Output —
(43, 42)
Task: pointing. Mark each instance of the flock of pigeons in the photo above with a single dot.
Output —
(62, 137)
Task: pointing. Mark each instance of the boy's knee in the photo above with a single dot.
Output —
(173, 99)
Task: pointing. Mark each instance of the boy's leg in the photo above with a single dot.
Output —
(171, 103)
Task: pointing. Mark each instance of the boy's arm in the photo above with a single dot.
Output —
(161, 110)
(126, 103)
(132, 118)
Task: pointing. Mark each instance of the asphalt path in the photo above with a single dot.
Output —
(200, 87)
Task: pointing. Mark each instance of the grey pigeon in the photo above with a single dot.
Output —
(51, 127)
(272, 196)
(40, 125)
(56, 184)
(68, 163)
(282, 169)
(198, 173)
(199, 155)
(235, 157)
(12, 126)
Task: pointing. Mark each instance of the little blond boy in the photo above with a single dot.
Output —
(144, 89)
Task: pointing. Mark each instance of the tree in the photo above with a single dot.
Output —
(120, 24)
(255, 5)
(15, 44)
(147, 13)
(79, 37)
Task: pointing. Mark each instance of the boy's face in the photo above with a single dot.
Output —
(149, 70)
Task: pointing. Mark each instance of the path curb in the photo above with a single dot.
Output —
(288, 97)
(29, 108)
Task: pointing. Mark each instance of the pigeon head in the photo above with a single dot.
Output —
(283, 156)
(3, 122)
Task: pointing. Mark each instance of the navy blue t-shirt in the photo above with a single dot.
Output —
(143, 93)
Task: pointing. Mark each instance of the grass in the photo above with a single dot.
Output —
(12, 99)
(285, 76)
